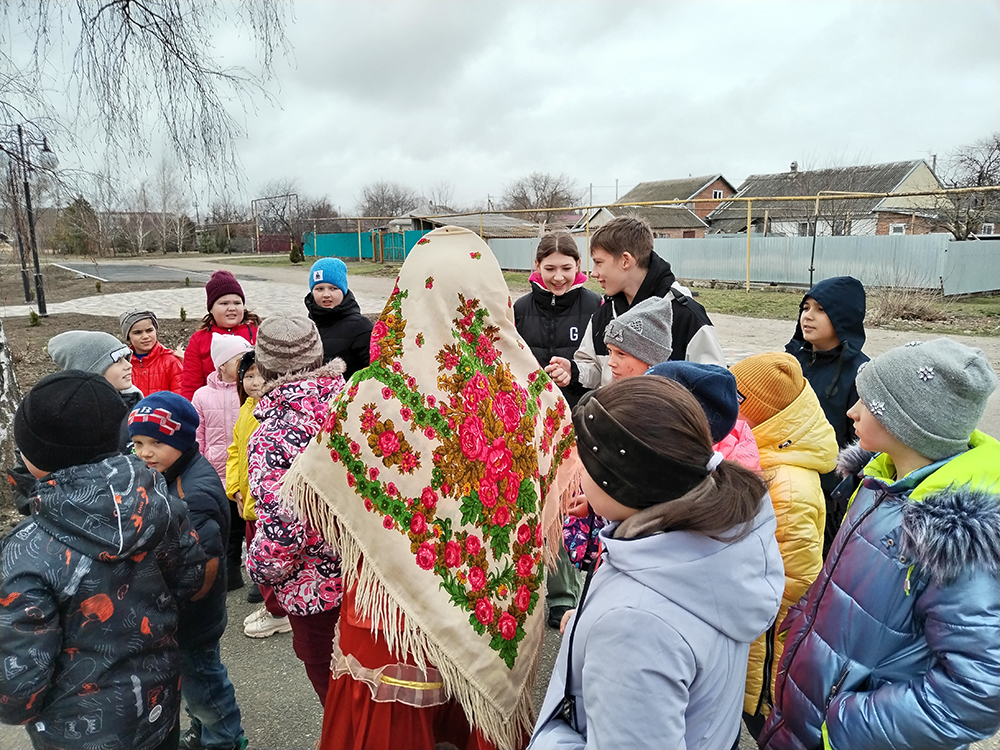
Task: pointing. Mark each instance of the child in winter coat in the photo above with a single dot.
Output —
(94, 352)
(227, 314)
(651, 654)
(345, 332)
(218, 407)
(163, 428)
(897, 643)
(88, 584)
(827, 342)
(796, 445)
(154, 367)
(287, 554)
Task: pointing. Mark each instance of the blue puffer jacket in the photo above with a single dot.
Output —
(897, 643)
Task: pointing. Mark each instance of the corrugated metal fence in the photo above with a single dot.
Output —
(930, 261)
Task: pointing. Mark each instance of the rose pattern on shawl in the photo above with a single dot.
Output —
(490, 561)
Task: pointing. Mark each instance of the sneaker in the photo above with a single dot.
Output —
(254, 595)
(191, 739)
(254, 615)
(266, 625)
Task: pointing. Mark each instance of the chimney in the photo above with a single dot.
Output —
(793, 167)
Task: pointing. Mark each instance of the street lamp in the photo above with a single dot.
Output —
(46, 160)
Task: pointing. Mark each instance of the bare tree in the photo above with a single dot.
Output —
(540, 191)
(385, 199)
(130, 59)
(971, 166)
(441, 194)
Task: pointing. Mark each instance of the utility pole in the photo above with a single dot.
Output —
(616, 189)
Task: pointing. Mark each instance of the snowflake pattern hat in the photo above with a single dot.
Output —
(928, 395)
(438, 475)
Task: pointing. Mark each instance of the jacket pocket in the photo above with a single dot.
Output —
(852, 677)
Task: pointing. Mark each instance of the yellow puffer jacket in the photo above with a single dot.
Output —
(796, 446)
(237, 470)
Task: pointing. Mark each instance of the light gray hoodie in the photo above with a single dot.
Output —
(660, 652)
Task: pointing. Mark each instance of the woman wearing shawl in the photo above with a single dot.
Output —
(435, 478)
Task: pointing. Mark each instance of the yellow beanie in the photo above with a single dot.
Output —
(766, 384)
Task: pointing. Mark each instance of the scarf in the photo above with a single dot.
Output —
(436, 477)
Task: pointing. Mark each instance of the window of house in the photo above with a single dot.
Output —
(717, 194)
(804, 229)
(897, 229)
(987, 229)
(689, 233)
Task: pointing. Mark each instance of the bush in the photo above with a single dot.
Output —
(97, 285)
(296, 255)
(889, 303)
(34, 319)
(184, 315)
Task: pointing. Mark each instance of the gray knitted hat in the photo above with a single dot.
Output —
(286, 345)
(128, 319)
(644, 331)
(928, 395)
(90, 351)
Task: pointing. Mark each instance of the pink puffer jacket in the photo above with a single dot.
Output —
(218, 407)
(740, 446)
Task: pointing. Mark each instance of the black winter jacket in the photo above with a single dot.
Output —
(554, 326)
(88, 613)
(345, 332)
(193, 480)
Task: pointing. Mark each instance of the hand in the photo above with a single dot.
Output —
(560, 370)
(565, 621)
(577, 505)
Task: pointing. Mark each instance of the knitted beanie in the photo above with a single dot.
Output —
(286, 345)
(130, 318)
(928, 395)
(167, 417)
(90, 351)
(67, 419)
(766, 384)
(329, 271)
(714, 387)
(221, 284)
(225, 346)
(644, 331)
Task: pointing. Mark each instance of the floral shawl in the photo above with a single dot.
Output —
(435, 477)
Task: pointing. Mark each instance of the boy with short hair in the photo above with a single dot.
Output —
(163, 429)
(827, 342)
(630, 273)
(639, 338)
(88, 652)
(154, 367)
(897, 643)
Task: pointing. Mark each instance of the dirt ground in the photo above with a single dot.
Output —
(62, 286)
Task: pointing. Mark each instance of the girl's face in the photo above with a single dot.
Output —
(142, 336)
(558, 272)
(120, 373)
(253, 382)
(816, 326)
(227, 312)
(327, 295)
(602, 503)
(229, 370)
(872, 436)
(623, 364)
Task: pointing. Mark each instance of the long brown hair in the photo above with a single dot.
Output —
(557, 242)
(665, 416)
(248, 317)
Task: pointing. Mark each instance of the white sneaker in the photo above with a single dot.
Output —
(254, 615)
(265, 625)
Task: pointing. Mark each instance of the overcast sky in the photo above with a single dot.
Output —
(476, 94)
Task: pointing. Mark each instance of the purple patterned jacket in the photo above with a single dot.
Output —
(287, 554)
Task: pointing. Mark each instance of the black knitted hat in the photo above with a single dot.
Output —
(69, 418)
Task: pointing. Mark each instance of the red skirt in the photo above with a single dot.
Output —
(396, 706)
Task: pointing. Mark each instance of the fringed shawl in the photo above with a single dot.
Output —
(435, 477)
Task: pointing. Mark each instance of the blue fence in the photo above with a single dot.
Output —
(395, 245)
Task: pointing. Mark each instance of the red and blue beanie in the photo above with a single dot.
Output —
(167, 417)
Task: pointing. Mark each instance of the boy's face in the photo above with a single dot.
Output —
(253, 382)
(142, 336)
(611, 272)
(158, 456)
(602, 503)
(32, 469)
(327, 295)
(120, 373)
(623, 364)
(872, 436)
(816, 326)
(229, 370)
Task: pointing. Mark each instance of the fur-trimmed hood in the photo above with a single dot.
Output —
(331, 369)
(951, 521)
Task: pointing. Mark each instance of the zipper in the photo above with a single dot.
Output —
(837, 686)
(792, 650)
(765, 689)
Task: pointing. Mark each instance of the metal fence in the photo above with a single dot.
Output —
(931, 261)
